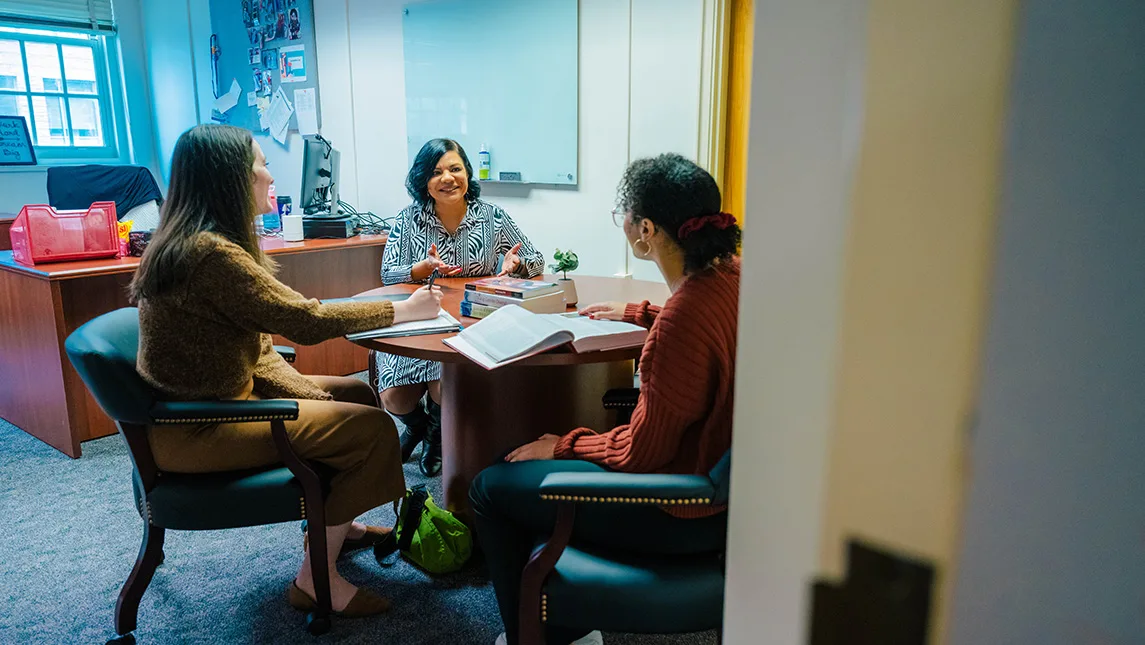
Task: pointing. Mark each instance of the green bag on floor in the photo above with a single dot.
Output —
(430, 536)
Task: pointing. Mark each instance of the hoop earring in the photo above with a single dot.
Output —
(643, 255)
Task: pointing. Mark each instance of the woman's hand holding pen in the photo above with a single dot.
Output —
(422, 304)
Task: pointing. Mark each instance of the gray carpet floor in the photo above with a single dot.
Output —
(71, 535)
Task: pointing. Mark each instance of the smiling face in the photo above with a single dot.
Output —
(449, 181)
(262, 179)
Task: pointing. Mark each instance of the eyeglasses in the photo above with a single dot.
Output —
(618, 217)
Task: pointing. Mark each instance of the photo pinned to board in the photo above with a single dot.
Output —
(269, 58)
(254, 55)
(280, 25)
(259, 86)
(292, 64)
(254, 36)
(294, 25)
(248, 19)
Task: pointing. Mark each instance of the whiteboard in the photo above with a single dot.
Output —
(502, 73)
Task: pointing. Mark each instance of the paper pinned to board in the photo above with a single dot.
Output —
(230, 99)
(251, 99)
(263, 105)
(278, 116)
(307, 110)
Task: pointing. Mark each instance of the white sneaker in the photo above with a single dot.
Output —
(595, 638)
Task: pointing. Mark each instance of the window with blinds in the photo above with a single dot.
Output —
(93, 15)
(58, 70)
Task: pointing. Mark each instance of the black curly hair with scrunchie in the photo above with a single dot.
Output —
(669, 190)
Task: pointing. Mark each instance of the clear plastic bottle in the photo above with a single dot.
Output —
(483, 163)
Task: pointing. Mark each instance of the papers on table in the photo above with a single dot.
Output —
(443, 324)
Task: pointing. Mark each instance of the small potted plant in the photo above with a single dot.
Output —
(566, 261)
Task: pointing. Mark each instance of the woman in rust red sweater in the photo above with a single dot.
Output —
(669, 209)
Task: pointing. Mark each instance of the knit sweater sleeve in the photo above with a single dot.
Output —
(674, 396)
(248, 295)
(274, 378)
(641, 313)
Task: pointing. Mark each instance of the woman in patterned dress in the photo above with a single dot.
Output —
(449, 229)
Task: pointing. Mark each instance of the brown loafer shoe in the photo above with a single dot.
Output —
(364, 603)
(373, 535)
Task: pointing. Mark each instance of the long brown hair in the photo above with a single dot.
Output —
(211, 190)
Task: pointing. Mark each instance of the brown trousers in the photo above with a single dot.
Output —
(350, 434)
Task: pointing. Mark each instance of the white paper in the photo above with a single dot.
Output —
(280, 135)
(230, 99)
(278, 116)
(263, 105)
(443, 324)
(304, 105)
(251, 99)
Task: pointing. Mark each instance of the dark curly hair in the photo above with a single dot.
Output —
(670, 190)
(417, 181)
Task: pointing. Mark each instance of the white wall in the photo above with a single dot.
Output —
(171, 73)
(19, 186)
(800, 162)
(1054, 549)
(662, 81)
(648, 104)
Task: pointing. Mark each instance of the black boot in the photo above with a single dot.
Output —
(431, 449)
(416, 423)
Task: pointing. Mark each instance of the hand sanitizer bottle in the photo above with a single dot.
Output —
(483, 163)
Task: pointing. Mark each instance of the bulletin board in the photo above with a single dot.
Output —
(263, 45)
(498, 73)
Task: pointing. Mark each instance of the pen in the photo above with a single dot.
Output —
(432, 277)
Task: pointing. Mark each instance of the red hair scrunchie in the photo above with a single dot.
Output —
(719, 220)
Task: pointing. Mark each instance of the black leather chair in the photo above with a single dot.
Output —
(104, 352)
(596, 588)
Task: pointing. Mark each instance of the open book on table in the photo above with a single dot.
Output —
(512, 333)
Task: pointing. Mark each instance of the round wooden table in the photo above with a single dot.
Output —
(488, 412)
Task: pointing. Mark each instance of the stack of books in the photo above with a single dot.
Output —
(483, 297)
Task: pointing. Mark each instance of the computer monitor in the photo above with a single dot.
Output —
(319, 178)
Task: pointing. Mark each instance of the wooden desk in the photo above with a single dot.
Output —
(6, 220)
(485, 413)
(41, 305)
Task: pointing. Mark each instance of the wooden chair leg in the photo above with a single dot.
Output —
(373, 375)
(150, 555)
(318, 621)
(531, 620)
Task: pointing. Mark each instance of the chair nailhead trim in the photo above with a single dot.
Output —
(257, 417)
(627, 500)
(302, 506)
(544, 607)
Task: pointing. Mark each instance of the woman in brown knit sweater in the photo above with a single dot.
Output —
(208, 303)
(670, 212)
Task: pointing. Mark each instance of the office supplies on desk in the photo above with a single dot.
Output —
(443, 324)
(393, 297)
(511, 334)
(476, 303)
(513, 287)
(292, 228)
(44, 234)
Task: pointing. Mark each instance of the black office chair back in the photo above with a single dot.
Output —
(721, 476)
(103, 351)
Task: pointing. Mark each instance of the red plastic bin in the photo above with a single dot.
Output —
(40, 233)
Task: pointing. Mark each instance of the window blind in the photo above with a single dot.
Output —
(88, 15)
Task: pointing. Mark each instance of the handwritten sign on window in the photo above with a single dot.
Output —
(15, 144)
